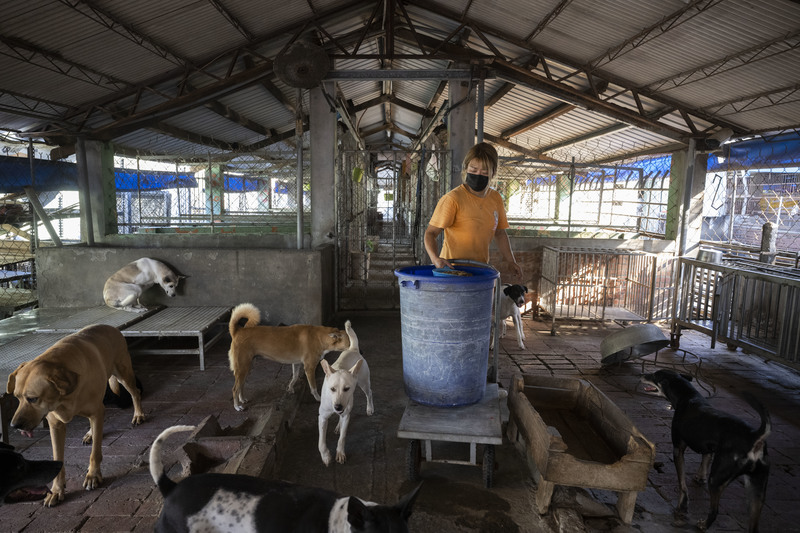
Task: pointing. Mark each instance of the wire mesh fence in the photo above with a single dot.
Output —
(250, 191)
(751, 184)
(549, 196)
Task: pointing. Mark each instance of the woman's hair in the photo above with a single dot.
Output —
(486, 154)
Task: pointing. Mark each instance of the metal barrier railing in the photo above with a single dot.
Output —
(746, 304)
(605, 284)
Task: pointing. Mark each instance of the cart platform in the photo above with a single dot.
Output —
(479, 423)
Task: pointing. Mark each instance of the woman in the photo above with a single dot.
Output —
(471, 215)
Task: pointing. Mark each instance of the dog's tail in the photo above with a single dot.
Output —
(756, 453)
(165, 484)
(352, 334)
(248, 311)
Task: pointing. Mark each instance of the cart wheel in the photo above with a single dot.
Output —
(488, 465)
(413, 458)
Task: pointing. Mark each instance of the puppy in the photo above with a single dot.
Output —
(297, 345)
(20, 474)
(510, 306)
(736, 448)
(124, 288)
(232, 502)
(70, 379)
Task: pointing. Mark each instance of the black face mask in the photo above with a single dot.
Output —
(477, 182)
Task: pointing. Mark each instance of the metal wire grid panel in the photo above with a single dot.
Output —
(742, 303)
(551, 195)
(604, 284)
(384, 202)
(748, 187)
(253, 190)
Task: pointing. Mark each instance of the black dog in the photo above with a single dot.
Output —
(122, 400)
(737, 449)
(16, 472)
(231, 502)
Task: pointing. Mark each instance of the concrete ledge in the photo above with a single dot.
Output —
(289, 286)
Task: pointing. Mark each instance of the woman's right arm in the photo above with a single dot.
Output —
(432, 247)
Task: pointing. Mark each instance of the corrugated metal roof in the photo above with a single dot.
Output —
(95, 69)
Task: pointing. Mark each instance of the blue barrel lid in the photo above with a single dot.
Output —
(420, 272)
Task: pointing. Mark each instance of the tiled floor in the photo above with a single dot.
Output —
(453, 497)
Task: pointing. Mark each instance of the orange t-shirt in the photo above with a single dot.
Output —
(469, 223)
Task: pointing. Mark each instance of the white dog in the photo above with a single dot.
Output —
(510, 306)
(341, 378)
(124, 288)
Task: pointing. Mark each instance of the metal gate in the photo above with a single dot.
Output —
(384, 202)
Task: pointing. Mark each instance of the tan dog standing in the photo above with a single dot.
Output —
(70, 379)
(301, 344)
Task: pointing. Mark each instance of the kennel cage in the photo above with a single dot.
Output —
(605, 284)
(743, 303)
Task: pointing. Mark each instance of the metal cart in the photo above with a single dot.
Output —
(478, 423)
(474, 424)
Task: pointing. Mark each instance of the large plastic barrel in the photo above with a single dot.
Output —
(446, 325)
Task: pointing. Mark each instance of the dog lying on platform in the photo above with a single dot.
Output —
(510, 305)
(70, 379)
(732, 447)
(300, 344)
(341, 378)
(124, 288)
(22, 475)
(232, 502)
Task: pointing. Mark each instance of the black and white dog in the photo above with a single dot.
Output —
(736, 448)
(510, 305)
(247, 504)
(26, 479)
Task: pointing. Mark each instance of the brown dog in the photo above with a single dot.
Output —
(295, 345)
(70, 379)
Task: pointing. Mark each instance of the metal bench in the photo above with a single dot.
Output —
(180, 322)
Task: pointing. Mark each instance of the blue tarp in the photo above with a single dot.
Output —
(127, 180)
(15, 173)
(767, 152)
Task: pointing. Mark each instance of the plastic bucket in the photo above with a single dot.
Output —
(446, 325)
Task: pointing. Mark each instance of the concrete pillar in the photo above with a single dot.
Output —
(685, 204)
(460, 125)
(102, 191)
(215, 187)
(769, 243)
(323, 167)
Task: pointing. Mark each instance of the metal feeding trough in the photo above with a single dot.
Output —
(631, 343)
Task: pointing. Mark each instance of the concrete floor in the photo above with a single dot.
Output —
(452, 497)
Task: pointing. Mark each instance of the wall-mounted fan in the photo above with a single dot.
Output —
(302, 65)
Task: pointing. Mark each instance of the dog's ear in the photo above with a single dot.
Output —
(525, 288)
(12, 379)
(181, 276)
(357, 514)
(356, 367)
(407, 502)
(326, 367)
(507, 290)
(65, 381)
